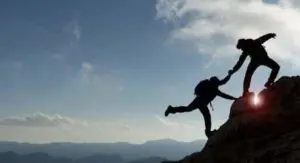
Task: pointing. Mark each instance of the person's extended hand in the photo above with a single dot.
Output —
(273, 35)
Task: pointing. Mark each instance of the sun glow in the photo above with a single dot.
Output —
(256, 99)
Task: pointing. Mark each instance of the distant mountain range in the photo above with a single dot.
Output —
(166, 148)
(12, 157)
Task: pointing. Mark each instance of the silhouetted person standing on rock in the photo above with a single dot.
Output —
(259, 56)
(205, 92)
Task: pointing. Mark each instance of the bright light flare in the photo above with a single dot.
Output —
(256, 100)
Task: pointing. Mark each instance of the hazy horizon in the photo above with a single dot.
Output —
(110, 142)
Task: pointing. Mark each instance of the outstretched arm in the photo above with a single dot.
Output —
(225, 80)
(266, 37)
(226, 96)
(239, 64)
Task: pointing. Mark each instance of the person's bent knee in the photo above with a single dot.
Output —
(276, 67)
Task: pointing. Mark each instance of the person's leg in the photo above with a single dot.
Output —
(275, 69)
(207, 120)
(181, 109)
(248, 76)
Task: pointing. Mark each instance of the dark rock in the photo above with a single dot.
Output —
(265, 133)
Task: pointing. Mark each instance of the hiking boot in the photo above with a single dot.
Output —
(168, 111)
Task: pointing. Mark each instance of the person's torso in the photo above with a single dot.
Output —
(211, 95)
(209, 92)
(255, 50)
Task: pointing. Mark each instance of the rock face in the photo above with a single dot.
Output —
(264, 133)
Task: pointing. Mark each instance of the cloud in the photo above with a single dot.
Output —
(73, 30)
(165, 121)
(87, 68)
(215, 26)
(169, 123)
(88, 75)
(76, 30)
(25, 129)
(41, 120)
(99, 78)
(125, 128)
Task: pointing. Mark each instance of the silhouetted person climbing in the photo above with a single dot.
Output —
(259, 56)
(205, 92)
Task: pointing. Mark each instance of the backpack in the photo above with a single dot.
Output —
(202, 87)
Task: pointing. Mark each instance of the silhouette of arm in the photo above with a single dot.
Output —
(225, 80)
(239, 64)
(226, 96)
(264, 38)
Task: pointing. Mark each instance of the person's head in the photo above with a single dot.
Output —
(241, 44)
(214, 79)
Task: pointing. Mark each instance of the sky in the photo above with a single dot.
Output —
(105, 71)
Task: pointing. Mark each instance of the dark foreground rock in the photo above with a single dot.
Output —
(264, 133)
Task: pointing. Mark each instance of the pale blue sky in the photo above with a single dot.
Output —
(101, 62)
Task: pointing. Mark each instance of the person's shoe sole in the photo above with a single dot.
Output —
(166, 113)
